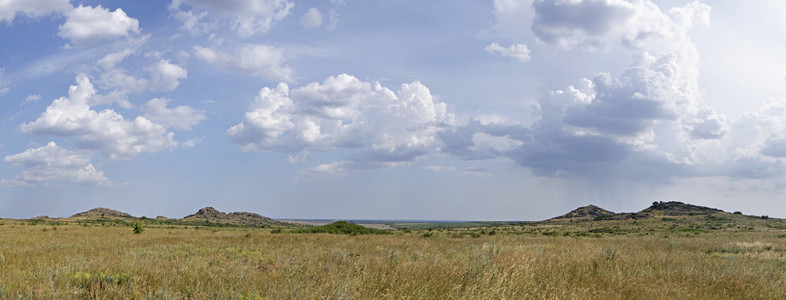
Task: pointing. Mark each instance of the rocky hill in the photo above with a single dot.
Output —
(589, 211)
(238, 218)
(660, 208)
(675, 208)
(102, 212)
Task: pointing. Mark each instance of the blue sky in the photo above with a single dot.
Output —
(481, 110)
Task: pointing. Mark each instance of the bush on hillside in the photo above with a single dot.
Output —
(137, 227)
(342, 227)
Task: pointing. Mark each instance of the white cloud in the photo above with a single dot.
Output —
(245, 17)
(3, 90)
(165, 76)
(10, 9)
(53, 164)
(113, 77)
(311, 19)
(121, 80)
(86, 25)
(384, 128)
(708, 124)
(192, 22)
(191, 143)
(111, 60)
(106, 131)
(483, 137)
(509, 5)
(598, 23)
(179, 118)
(256, 60)
(518, 51)
(645, 122)
(33, 98)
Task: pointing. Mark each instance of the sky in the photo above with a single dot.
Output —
(432, 110)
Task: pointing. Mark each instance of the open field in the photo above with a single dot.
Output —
(682, 257)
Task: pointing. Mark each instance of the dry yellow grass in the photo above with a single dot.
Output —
(109, 262)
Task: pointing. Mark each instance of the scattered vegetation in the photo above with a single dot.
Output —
(722, 255)
(342, 227)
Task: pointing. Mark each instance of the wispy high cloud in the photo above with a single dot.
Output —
(246, 18)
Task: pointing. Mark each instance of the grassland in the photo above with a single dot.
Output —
(676, 257)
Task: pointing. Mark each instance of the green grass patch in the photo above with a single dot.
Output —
(342, 227)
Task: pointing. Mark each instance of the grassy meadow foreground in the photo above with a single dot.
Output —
(682, 256)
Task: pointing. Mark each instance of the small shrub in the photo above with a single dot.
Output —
(673, 244)
(137, 227)
(738, 212)
(608, 253)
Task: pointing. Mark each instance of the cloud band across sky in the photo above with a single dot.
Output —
(285, 83)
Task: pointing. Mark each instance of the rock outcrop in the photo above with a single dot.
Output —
(102, 212)
(238, 218)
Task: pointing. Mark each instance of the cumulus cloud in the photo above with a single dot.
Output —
(476, 139)
(246, 18)
(86, 25)
(519, 52)
(53, 164)
(761, 132)
(382, 127)
(598, 23)
(165, 76)
(10, 9)
(255, 60)
(106, 131)
(311, 19)
(630, 104)
(179, 118)
(707, 124)
(643, 123)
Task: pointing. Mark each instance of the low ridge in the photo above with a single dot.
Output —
(676, 208)
(102, 212)
(241, 218)
(658, 208)
(587, 211)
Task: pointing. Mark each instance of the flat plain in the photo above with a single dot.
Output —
(684, 256)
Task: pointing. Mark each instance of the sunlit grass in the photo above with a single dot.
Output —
(177, 262)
